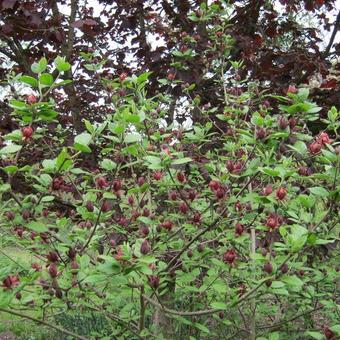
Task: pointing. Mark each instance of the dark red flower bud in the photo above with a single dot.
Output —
(145, 231)
(31, 99)
(238, 206)
(269, 283)
(173, 195)
(239, 229)
(284, 268)
(117, 185)
(238, 166)
(157, 175)
(131, 200)
(36, 266)
(197, 217)
(214, 185)
(268, 268)
(10, 281)
(292, 89)
(181, 177)
(230, 166)
(323, 138)
(183, 208)
(56, 183)
(101, 183)
(219, 193)
(167, 225)
(89, 206)
(72, 253)
(146, 212)
(122, 76)
(9, 215)
(52, 256)
(200, 248)
(171, 76)
(105, 206)
(292, 122)
(145, 247)
(272, 221)
(74, 265)
(58, 293)
(190, 253)
(53, 271)
(153, 281)
(267, 190)
(192, 194)
(303, 171)
(141, 181)
(283, 123)
(315, 147)
(261, 133)
(281, 193)
(27, 132)
(26, 214)
(229, 256)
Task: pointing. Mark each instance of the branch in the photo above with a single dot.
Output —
(331, 41)
(60, 329)
(175, 312)
(281, 323)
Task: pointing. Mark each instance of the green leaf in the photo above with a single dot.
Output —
(40, 66)
(89, 126)
(37, 226)
(181, 161)
(277, 284)
(29, 81)
(47, 114)
(293, 281)
(132, 138)
(143, 77)
(62, 83)
(108, 164)
(14, 135)
(336, 329)
(131, 118)
(218, 305)
(274, 336)
(49, 164)
(12, 148)
(11, 169)
(315, 335)
(201, 327)
(82, 141)
(46, 79)
(47, 199)
(319, 191)
(298, 237)
(299, 147)
(18, 105)
(61, 65)
(270, 172)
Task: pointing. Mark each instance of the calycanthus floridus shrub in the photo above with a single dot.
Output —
(168, 232)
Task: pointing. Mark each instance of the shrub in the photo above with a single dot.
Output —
(218, 230)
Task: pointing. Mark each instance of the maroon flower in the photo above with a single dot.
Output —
(145, 247)
(229, 256)
(281, 193)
